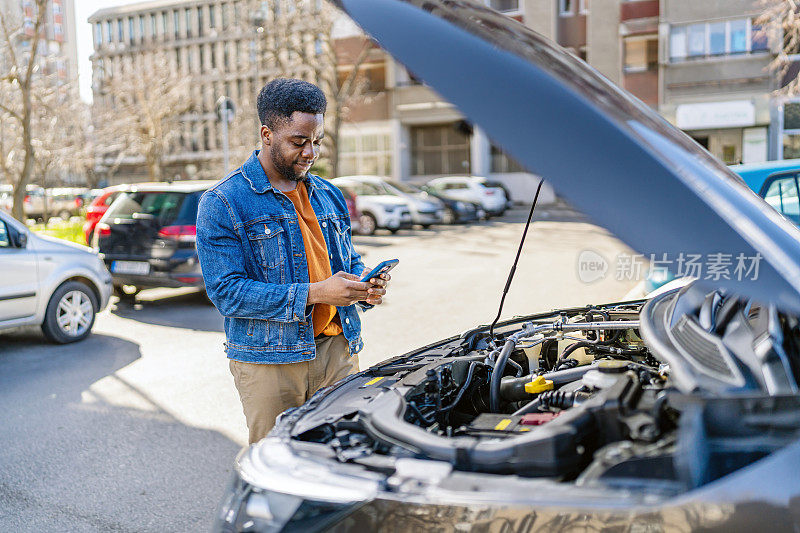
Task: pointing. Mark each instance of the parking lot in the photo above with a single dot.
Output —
(136, 428)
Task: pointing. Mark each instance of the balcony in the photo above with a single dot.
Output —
(638, 9)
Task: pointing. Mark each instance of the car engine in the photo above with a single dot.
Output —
(667, 395)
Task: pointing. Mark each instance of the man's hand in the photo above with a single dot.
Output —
(377, 287)
(342, 289)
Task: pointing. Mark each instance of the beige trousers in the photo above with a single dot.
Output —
(267, 390)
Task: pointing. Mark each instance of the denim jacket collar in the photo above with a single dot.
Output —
(254, 173)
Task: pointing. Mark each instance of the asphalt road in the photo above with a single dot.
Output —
(136, 428)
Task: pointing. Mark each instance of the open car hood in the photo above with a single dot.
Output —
(602, 149)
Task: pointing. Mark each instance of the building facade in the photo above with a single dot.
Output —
(715, 79)
(58, 49)
(212, 43)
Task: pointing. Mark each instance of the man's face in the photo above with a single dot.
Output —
(294, 144)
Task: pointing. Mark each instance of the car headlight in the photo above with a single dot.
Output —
(272, 489)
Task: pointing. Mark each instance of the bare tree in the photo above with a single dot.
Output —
(780, 23)
(140, 112)
(299, 41)
(18, 83)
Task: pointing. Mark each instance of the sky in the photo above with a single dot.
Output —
(83, 10)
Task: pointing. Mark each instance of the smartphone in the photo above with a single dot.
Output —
(384, 267)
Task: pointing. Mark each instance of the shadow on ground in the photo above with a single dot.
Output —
(165, 307)
(72, 461)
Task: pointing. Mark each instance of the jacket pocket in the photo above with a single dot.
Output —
(341, 234)
(266, 241)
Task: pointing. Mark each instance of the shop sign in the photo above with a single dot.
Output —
(734, 114)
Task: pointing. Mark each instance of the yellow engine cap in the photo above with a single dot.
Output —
(539, 384)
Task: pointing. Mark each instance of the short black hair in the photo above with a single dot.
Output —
(283, 96)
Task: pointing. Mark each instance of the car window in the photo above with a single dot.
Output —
(110, 198)
(164, 206)
(368, 189)
(5, 236)
(453, 186)
(782, 194)
(404, 187)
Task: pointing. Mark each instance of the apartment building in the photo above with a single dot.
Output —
(213, 43)
(58, 50)
(715, 81)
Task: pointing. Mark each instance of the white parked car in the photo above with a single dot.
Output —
(425, 209)
(472, 189)
(54, 283)
(380, 206)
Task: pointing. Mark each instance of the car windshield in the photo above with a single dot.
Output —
(403, 187)
(373, 189)
(165, 207)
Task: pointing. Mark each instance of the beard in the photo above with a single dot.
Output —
(287, 168)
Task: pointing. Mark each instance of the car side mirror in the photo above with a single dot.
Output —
(21, 240)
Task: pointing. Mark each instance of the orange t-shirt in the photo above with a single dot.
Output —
(324, 317)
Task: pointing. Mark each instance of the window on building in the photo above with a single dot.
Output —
(226, 56)
(141, 28)
(640, 54)
(153, 27)
(442, 149)
(791, 130)
(738, 32)
(504, 5)
(502, 162)
(98, 34)
(131, 32)
(566, 7)
(164, 23)
(109, 32)
(177, 59)
(200, 21)
(365, 154)
(121, 30)
(212, 19)
(224, 15)
(759, 40)
(697, 39)
(176, 24)
(716, 39)
(202, 54)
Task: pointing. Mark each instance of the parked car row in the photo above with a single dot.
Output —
(63, 202)
(389, 204)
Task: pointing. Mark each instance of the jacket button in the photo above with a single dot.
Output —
(324, 224)
(267, 231)
(331, 255)
(346, 320)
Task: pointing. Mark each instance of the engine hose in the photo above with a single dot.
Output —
(463, 389)
(515, 365)
(497, 375)
(568, 351)
(530, 407)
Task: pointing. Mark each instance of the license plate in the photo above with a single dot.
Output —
(130, 267)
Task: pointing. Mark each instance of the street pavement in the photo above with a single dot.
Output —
(136, 428)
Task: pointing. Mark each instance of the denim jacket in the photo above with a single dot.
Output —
(255, 268)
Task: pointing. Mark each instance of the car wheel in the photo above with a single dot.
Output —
(394, 230)
(126, 293)
(425, 226)
(449, 216)
(368, 224)
(64, 214)
(70, 313)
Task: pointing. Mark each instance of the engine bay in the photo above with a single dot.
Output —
(583, 395)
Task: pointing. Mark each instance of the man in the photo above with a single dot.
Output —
(269, 237)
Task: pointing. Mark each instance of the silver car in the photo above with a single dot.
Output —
(54, 283)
